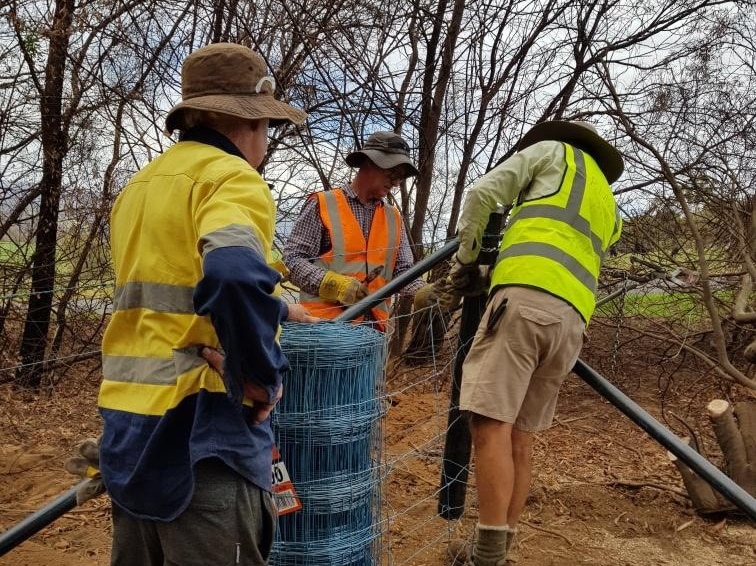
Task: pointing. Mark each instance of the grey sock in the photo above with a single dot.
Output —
(490, 547)
(510, 537)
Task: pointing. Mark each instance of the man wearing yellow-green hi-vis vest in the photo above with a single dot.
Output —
(542, 294)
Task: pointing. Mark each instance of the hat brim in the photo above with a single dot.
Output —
(382, 160)
(606, 155)
(247, 107)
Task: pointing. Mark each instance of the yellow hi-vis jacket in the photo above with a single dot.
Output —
(192, 231)
(352, 255)
(557, 243)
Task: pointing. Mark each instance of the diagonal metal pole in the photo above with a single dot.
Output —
(401, 281)
(705, 469)
(38, 520)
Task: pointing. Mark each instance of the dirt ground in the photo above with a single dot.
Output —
(604, 493)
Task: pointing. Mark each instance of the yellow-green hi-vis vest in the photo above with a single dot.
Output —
(557, 243)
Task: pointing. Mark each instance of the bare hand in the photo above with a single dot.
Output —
(214, 358)
(261, 405)
(297, 313)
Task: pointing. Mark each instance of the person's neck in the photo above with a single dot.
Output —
(355, 184)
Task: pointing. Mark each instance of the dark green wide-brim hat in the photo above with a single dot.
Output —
(585, 137)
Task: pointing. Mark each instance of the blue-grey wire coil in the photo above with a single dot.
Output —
(328, 430)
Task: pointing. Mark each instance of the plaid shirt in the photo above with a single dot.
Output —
(309, 239)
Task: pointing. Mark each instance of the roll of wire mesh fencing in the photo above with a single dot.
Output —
(328, 431)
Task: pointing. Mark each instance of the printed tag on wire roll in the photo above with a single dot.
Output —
(284, 493)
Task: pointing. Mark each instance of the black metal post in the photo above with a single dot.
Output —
(458, 442)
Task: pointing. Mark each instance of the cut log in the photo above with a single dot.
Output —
(745, 411)
(736, 434)
(735, 429)
(704, 498)
(728, 436)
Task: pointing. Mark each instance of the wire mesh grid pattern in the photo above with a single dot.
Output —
(328, 428)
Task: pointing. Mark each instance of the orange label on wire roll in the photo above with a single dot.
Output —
(284, 493)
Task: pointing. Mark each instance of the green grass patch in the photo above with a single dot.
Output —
(668, 305)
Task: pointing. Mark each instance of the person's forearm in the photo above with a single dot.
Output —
(236, 291)
(501, 185)
(305, 275)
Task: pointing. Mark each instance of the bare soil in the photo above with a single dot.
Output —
(604, 493)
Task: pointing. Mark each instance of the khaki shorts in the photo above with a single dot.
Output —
(520, 356)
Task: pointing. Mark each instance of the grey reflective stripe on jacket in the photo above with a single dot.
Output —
(229, 236)
(152, 371)
(158, 297)
(554, 253)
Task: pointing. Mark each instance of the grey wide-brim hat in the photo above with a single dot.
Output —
(386, 150)
(230, 79)
(585, 137)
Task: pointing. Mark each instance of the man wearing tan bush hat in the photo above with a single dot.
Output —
(542, 294)
(186, 449)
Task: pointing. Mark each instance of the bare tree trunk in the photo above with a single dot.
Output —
(34, 338)
(435, 83)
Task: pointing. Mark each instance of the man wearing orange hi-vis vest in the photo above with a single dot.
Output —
(349, 242)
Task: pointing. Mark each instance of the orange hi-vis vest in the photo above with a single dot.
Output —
(351, 255)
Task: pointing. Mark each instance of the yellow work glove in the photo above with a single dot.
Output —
(342, 289)
(87, 466)
(467, 279)
(438, 293)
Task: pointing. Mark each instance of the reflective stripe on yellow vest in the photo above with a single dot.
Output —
(351, 255)
(557, 242)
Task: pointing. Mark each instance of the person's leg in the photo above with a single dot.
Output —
(522, 450)
(135, 541)
(557, 330)
(494, 470)
(495, 478)
(229, 521)
(496, 376)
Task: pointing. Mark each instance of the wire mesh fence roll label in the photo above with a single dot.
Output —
(328, 430)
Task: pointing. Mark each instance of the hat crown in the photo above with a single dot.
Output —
(582, 134)
(225, 69)
(587, 126)
(387, 142)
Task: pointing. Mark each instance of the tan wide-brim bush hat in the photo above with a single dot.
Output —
(230, 79)
(386, 150)
(585, 137)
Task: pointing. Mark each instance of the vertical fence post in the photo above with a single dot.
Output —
(458, 444)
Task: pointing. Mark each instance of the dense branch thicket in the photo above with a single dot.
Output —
(86, 85)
